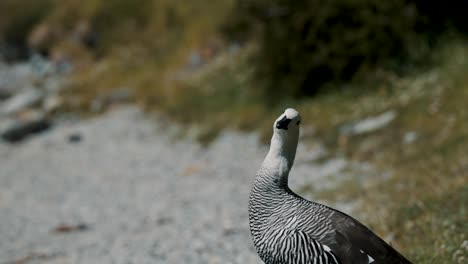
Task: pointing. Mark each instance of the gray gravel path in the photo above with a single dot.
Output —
(144, 196)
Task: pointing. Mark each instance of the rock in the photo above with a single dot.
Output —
(195, 60)
(369, 124)
(5, 93)
(75, 138)
(52, 103)
(30, 122)
(410, 137)
(13, 78)
(164, 220)
(21, 101)
(40, 66)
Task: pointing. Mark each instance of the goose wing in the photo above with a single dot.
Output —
(351, 240)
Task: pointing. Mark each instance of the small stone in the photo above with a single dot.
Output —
(229, 231)
(21, 101)
(5, 92)
(40, 65)
(164, 220)
(464, 245)
(195, 60)
(75, 138)
(410, 137)
(52, 103)
(368, 125)
(15, 130)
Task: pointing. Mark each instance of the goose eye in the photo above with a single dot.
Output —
(298, 123)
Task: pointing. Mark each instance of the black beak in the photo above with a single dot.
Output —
(283, 123)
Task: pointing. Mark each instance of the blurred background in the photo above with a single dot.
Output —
(132, 129)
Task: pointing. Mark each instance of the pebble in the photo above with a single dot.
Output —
(369, 124)
(410, 137)
(14, 130)
(21, 101)
(28, 97)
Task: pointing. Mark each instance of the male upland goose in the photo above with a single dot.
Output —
(287, 228)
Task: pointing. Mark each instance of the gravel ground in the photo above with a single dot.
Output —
(140, 194)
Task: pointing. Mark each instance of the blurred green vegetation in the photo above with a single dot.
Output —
(302, 47)
(238, 63)
(306, 45)
(17, 19)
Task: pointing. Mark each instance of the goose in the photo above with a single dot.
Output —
(288, 229)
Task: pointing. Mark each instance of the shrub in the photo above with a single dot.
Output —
(306, 44)
(17, 18)
(121, 20)
(440, 15)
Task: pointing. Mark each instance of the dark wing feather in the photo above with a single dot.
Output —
(350, 239)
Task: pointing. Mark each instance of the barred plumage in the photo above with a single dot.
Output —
(288, 229)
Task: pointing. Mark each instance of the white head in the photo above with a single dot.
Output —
(289, 120)
(285, 138)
